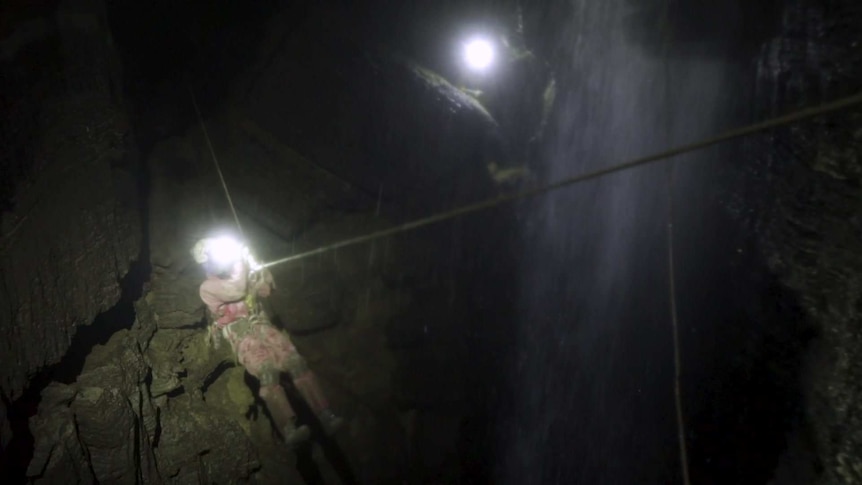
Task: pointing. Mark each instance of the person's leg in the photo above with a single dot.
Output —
(308, 386)
(254, 355)
(287, 359)
(280, 409)
(277, 404)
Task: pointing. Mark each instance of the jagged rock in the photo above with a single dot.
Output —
(164, 353)
(231, 394)
(147, 409)
(118, 364)
(70, 220)
(144, 326)
(811, 235)
(201, 359)
(107, 429)
(816, 259)
(58, 456)
(175, 302)
(110, 412)
(101, 428)
(198, 445)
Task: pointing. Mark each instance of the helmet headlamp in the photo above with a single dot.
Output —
(225, 250)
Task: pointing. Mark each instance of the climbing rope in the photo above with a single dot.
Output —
(215, 159)
(677, 360)
(804, 114)
(776, 122)
(667, 34)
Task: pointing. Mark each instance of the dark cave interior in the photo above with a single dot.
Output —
(528, 343)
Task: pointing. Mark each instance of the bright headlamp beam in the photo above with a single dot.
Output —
(479, 54)
(225, 250)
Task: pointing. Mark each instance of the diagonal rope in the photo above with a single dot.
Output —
(800, 115)
(215, 159)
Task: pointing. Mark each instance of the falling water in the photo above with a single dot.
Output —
(593, 371)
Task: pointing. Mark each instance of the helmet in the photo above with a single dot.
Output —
(218, 253)
(199, 251)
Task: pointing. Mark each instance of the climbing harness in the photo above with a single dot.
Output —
(804, 114)
(237, 329)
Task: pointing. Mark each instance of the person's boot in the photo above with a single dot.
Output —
(294, 435)
(331, 423)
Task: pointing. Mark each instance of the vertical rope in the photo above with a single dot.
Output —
(677, 360)
(215, 160)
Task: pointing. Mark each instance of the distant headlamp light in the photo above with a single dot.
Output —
(479, 54)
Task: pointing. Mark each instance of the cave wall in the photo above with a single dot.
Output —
(70, 220)
(70, 227)
(154, 402)
(809, 181)
(359, 110)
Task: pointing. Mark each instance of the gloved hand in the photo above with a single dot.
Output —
(261, 283)
(265, 283)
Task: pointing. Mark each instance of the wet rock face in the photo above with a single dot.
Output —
(811, 233)
(70, 221)
(360, 114)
